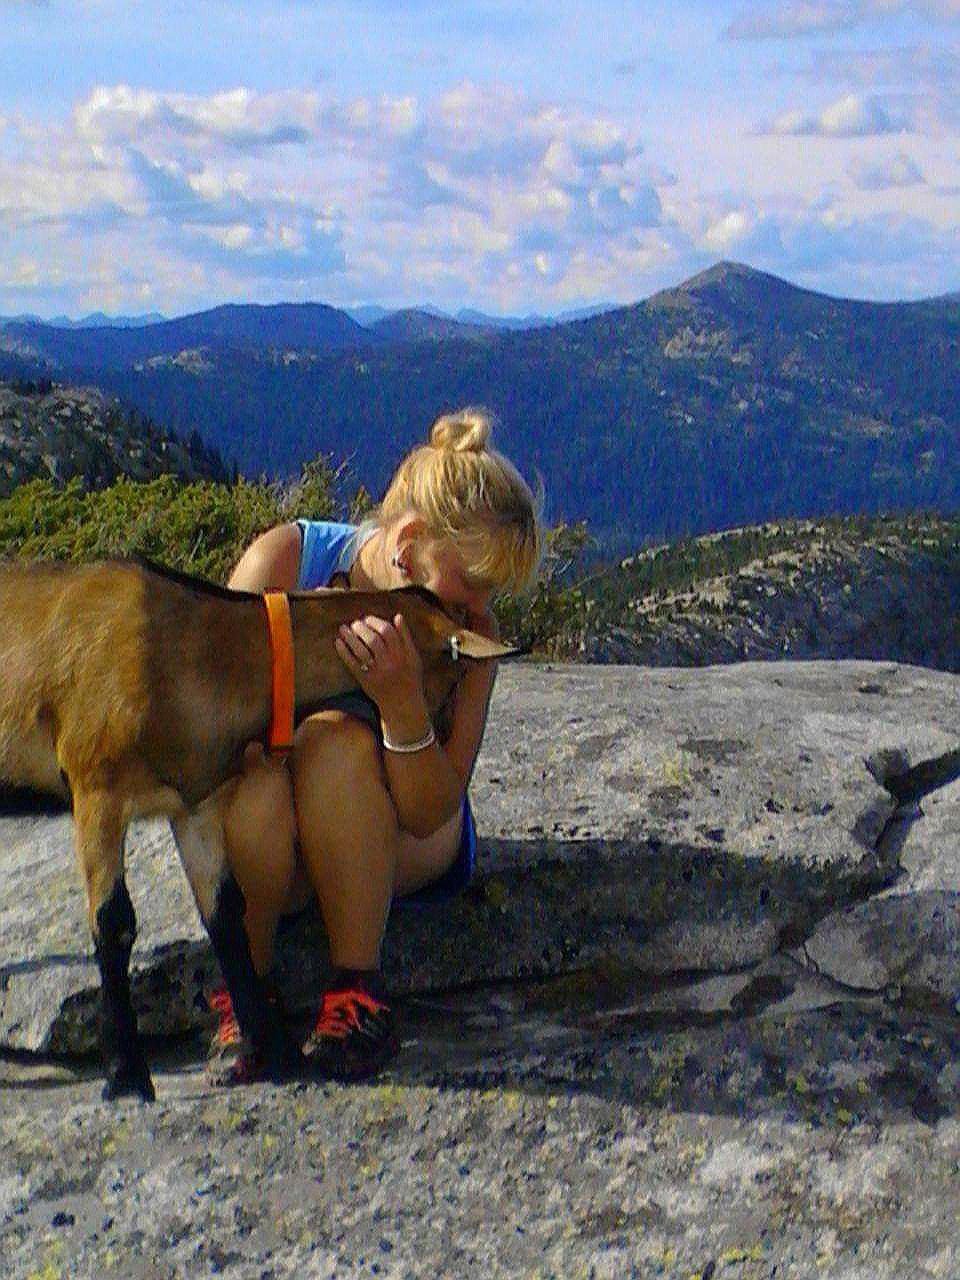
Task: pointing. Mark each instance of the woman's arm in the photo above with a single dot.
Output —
(471, 704)
(271, 562)
(427, 786)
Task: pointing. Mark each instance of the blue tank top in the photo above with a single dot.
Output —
(330, 548)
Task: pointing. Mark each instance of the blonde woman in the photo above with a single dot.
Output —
(373, 804)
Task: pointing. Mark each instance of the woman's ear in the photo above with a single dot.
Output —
(410, 531)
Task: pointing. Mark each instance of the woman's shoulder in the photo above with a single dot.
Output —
(271, 562)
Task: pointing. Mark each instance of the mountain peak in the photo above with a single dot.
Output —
(723, 270)
(734, 289)
(736, 276)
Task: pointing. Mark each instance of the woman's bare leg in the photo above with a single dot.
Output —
(348, 832)
(261, 849)
(352, 850)
(421, 860)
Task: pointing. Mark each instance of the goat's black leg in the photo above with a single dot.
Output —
(200, 840)
(258, 1017)
(123, 1056)
(100, 835)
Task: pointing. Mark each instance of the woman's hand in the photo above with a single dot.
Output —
(384, 661)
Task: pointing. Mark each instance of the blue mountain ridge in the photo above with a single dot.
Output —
(733, 398)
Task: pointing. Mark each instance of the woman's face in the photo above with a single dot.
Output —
(442, 570)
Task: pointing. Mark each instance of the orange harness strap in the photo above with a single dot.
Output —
(284, 686)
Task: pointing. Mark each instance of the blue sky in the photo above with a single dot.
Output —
(513, 157)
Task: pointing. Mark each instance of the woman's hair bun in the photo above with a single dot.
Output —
(467, 431)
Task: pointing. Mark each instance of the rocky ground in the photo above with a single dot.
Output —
(552, 1129)
(696, 1018)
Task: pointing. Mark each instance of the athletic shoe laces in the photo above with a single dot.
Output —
(347, 1011)
(228, 1033)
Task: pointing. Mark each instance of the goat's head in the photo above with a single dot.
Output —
(443, 640)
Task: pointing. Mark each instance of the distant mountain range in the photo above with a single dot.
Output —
(95, 320)
(367, 316)
(466, 316)
(732, 399)
(299, 326)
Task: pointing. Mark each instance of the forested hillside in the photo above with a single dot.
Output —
(731, 400)
(65, 433)
(877, 588)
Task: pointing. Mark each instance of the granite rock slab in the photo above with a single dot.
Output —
(672, 819)
(906, 938)
(549, 1128)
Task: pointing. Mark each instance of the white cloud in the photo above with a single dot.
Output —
(400, 117)
(560, 161)
(239, 118)
(387, 194)
(274, 250)
(50, 178)
(29, 275)
(816, 17)
(877, 175)
(724, 235)
(856, 117)
(853, 116)
(239, 236)
(786, 21)
(513, 173)
(791, 122)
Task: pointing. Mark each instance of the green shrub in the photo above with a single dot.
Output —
(200, 528)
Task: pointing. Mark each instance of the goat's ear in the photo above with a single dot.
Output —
(473, 645)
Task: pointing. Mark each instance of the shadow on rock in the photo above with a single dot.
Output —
(855, 1060)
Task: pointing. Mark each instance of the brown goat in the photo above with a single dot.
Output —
(134, 690)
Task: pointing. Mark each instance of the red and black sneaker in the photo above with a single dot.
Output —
(232, 1058)
(356, 1033)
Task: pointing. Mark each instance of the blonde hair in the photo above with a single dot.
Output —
(468, 492)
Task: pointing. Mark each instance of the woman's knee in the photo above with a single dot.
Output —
(332, 747)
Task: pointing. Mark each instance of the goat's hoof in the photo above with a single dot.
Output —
(125, 1078)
